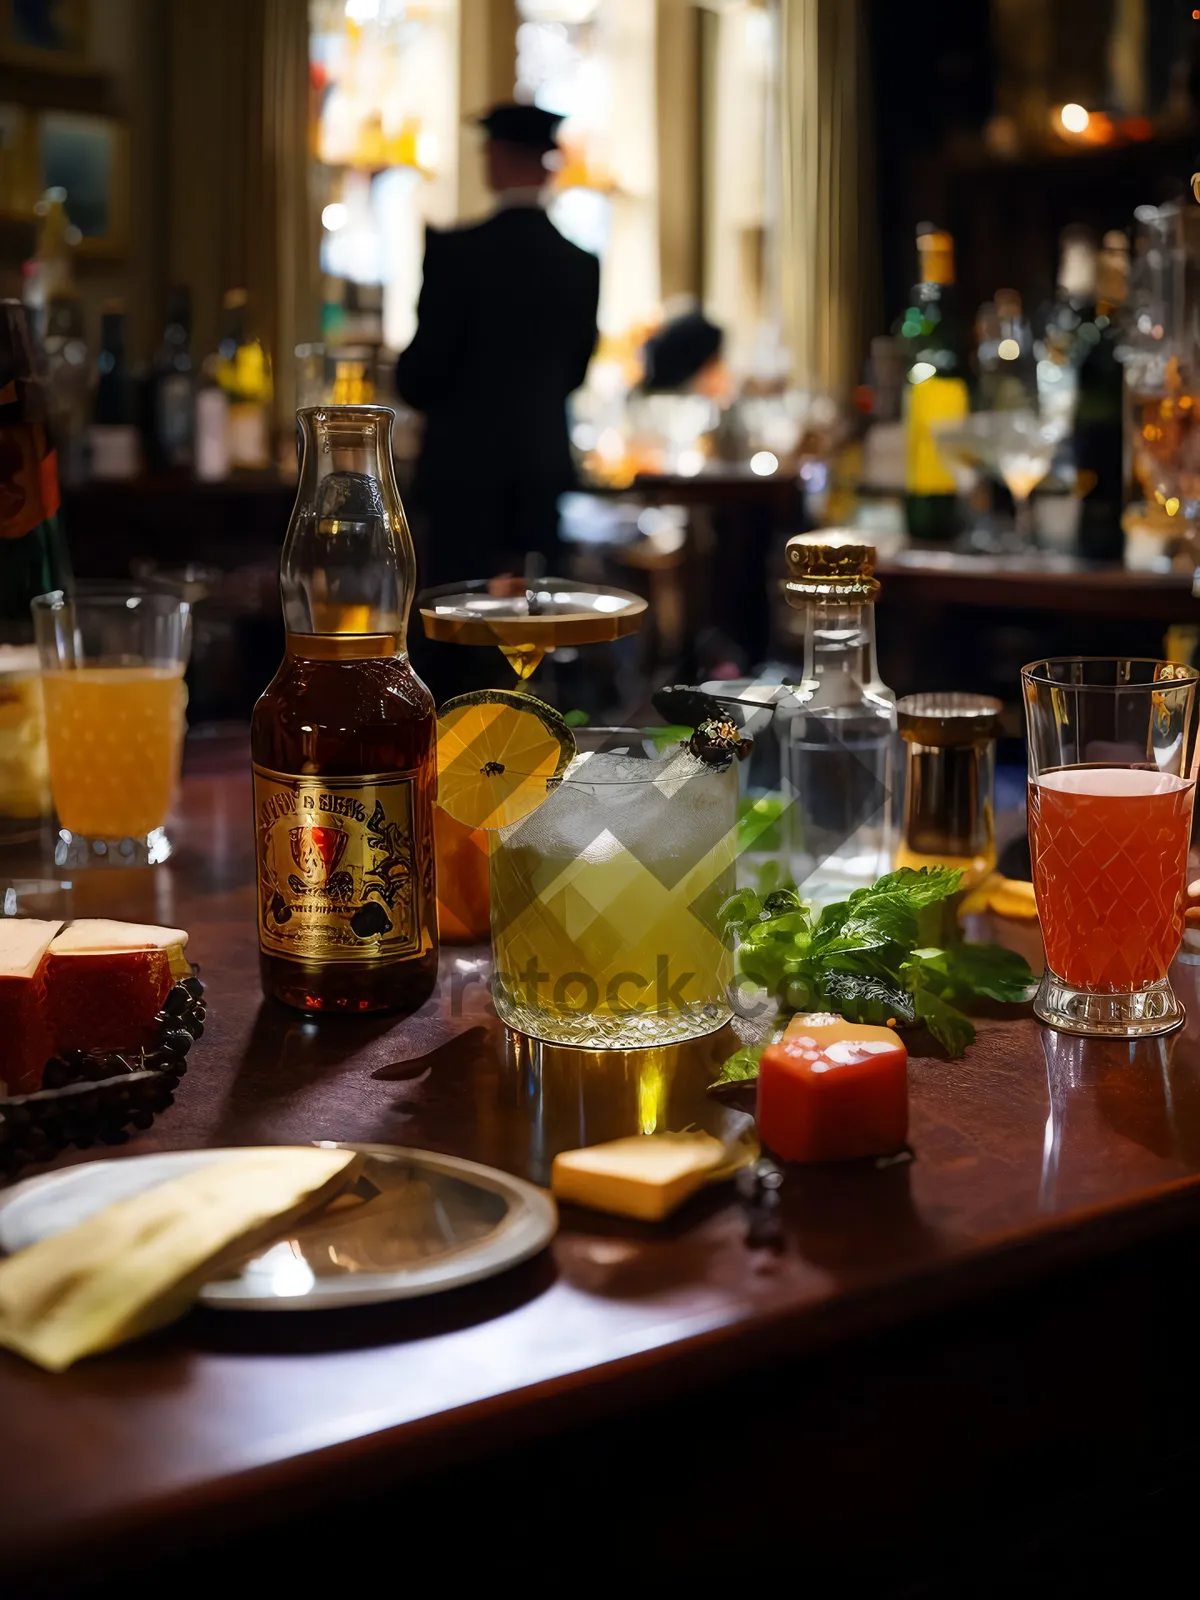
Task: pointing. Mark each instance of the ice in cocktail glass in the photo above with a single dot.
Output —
(1110, 811)
(605, 900)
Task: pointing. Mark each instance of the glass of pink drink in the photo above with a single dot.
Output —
(1111, 788)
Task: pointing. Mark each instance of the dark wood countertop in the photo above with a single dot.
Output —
(1035, 1155)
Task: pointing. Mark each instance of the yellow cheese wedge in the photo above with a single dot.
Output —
(98, 935)
(646, 1176)
(137, 1264)
(23, 943)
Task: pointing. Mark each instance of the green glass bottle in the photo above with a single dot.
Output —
(936, 390)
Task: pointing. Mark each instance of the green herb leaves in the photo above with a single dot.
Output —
(862, 959)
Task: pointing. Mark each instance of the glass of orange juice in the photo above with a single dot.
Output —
(112, 662)
(1111, 787)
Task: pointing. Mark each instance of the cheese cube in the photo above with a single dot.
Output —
(646, 1176)
(25, 1042)
(105, 981)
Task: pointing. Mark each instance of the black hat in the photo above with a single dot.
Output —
(674, 354)
(527, 125)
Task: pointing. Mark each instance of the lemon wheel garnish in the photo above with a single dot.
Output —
(499, 754)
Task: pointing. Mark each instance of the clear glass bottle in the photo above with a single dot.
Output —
(343, 741)
(838, 744)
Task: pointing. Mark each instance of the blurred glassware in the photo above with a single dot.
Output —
(1155, 334)
(1007, 370)
(69, 375)
(1166, 444)
(24, 765)
(340, 375)
(672, 428)
(311, 380)
(1157, 542)
(1016, 447)
(950, 776)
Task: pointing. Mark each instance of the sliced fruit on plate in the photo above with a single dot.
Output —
(24, 1038)
(499, 754)
(105, 981)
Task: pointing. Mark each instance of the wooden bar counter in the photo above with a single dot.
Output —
(958, 1360)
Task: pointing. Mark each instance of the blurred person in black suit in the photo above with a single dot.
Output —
(506, 326)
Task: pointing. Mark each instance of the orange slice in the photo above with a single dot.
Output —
(1004, 897)
(499, 754)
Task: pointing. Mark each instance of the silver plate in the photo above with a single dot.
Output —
(427, 1222)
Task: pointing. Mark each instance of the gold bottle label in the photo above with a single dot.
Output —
(338, 873)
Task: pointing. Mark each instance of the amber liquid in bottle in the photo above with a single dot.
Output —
(343, 743)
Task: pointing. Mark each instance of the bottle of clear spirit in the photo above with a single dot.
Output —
(838, 744)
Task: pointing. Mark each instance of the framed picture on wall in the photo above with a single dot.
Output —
(88, 157)
(46, 33)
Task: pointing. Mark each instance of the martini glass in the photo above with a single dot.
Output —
(1015, 446)
(526, 618)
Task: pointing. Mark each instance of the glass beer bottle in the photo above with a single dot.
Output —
(343, 741)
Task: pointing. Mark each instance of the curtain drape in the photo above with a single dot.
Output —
(828, 268)
(240, 212)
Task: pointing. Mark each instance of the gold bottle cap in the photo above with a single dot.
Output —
(830, 566)
(948, 719)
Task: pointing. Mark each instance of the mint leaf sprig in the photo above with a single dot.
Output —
(866, 959)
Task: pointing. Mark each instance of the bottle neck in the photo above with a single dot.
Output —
(348, 569)
(839, 655)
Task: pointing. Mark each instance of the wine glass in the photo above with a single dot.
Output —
(1015, 446)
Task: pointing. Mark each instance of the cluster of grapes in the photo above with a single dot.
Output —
(94, 1096)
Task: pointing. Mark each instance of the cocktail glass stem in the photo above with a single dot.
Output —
(1023, 521)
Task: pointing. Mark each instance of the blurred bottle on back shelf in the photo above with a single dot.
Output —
(1015, 386)
(211, 446)
(170, 414)
(936, 388)
(243, 371)
(1064, 323)
(69, 376)
(114, 439)
(49, 273)
(1100, 410)
(33, 561)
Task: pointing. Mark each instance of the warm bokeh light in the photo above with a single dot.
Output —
(1074, 118)
(1008, 349)
(334, 216)
(763, 463)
